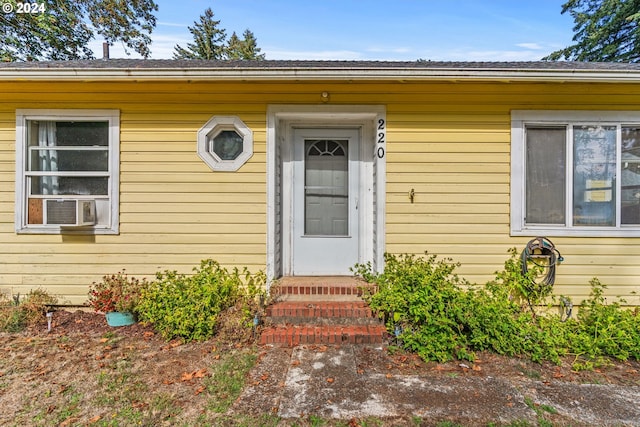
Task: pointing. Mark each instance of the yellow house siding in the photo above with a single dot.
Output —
(451, 145)
(449, 142)
(174, 211)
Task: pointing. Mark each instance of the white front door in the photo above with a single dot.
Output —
(325, 220)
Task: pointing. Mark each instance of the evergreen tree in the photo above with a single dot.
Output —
(244, 49)
(604, 30)
(62, 29)
(208, 40)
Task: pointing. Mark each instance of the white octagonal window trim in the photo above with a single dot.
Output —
(225, 143)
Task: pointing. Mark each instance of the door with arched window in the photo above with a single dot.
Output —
(325, 230)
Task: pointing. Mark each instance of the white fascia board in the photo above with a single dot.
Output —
(275, 74)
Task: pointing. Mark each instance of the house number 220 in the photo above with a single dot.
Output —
(381, 138)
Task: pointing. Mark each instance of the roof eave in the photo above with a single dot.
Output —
(275, 74)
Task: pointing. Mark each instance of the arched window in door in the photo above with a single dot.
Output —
(326, 188)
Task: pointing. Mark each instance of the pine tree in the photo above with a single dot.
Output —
(244, 49)
(208, 40)
(604, 30)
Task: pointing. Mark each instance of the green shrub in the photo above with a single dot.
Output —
(18, 314)
(422, 297)
(188, 306)
(12, 317)
(442, 317)
(605, 329)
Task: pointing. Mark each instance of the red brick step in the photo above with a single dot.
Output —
(329, 286)
(320, 312)
(293, 335)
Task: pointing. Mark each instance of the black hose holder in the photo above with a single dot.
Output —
(542, 253)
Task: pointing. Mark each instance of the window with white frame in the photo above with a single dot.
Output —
(575, 173)
(67, 171)
(225, 143)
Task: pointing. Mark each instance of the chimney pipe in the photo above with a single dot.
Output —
(105, 50)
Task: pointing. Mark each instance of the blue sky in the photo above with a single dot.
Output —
(439, 30)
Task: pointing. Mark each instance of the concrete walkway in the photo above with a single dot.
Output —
(339, 383)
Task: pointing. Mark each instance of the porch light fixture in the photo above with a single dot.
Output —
(225, 143)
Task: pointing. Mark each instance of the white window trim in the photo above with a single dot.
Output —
(24, 115)
(521, 118)
(213, 127)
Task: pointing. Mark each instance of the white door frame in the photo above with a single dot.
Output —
(281, 119)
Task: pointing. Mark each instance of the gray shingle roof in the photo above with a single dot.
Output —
(169, 69)
(344, 65)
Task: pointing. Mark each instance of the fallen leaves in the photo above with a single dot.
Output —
(69, 421)
(189, 376)
(172, 344)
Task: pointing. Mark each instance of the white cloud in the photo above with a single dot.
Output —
(395, 50)
(171, 24)
(486, 55)
(532, 46)
(161, 48)
(335, 55)
(163, 45)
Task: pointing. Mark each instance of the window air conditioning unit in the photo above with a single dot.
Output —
(69, 212)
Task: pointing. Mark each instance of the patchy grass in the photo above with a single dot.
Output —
(227, 379)
(118, 377)
(84, 373)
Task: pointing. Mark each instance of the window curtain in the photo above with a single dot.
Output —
(545, 169)
(48, 158)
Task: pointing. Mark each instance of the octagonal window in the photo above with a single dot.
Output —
(225, 143)
(228, 145)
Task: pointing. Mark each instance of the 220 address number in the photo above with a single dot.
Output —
(381, 138)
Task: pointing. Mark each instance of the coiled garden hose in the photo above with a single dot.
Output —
(537, 249)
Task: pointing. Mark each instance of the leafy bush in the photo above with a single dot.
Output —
(441, 317)
(422, 299)
(188, 306)
(17, 314)
(116, 292)
(605, 329)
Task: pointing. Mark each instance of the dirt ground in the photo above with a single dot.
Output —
(83, 372)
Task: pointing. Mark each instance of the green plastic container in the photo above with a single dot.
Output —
(116, 318)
